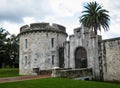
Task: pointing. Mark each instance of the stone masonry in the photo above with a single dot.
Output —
(111, 59)
(39, 45)
(44, 46)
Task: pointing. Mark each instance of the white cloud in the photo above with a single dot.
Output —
(12, 28)
(28, 20)
(51, 19)
(15, 13)
(65, 7)
(16, 10)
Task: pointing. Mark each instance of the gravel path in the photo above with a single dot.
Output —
(21, 78)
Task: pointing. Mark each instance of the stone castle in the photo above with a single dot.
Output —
(45, 46)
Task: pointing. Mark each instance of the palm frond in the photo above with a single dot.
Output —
(94, 17)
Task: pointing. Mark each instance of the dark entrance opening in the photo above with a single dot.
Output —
(80, 58)
(61, 57)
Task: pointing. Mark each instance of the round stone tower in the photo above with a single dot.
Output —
(40, 46)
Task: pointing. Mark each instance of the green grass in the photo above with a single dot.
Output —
(9, 72)
(58, 83)
(50, 82)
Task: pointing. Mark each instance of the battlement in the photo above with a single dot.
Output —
(39, 25)
(43, 27)
(24, 28)
(60, 27)
(76, 30)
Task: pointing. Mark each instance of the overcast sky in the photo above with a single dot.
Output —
(15, 13)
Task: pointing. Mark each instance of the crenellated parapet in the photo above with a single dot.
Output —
(60, 27)
(39, 25)
(24, 28)
(42, 27)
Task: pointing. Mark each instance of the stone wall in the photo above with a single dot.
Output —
(37, 50)
(111, 59)
(40, 52)
(85, 73)
(84, 38)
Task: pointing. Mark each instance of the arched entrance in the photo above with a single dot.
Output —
(80, 58)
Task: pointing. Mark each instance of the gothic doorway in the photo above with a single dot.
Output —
(80, 58)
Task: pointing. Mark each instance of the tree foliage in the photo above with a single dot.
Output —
(94, 17)
(9, 49)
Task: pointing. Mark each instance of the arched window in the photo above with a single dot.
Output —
(80, 58)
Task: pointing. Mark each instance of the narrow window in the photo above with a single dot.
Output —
(25, 60)
(52, 42)
(53, 59)
(25, 43)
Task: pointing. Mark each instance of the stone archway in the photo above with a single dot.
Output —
(80, 58)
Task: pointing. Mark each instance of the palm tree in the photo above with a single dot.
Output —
(94, 17)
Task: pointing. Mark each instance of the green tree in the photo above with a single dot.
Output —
(9, 49)
(3, 41)
(12, 48)
(95, 17)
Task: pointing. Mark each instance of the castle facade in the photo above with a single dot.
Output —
(45, 46)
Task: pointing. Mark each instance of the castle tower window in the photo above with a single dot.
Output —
(52, 42)
(25, 60)
(26, 43)
(53, 59)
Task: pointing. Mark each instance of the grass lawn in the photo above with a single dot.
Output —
(58, 83)
(9, 72)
